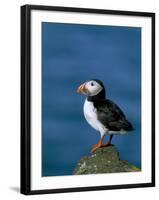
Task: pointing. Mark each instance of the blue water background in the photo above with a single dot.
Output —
(72, 54)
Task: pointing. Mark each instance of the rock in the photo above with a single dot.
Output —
(104, 160)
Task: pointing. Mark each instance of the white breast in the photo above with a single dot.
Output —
(90, 114)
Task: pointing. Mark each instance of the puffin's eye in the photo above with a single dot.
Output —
(92, 84)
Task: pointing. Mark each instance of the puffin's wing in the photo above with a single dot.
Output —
(112, 116)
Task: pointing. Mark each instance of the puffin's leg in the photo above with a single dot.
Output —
(109, 141)
(99, 145)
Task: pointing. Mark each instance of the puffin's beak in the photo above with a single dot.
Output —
(82, 89)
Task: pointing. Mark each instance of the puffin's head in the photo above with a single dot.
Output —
(91, 88)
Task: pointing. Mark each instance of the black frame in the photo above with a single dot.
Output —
(26, 96)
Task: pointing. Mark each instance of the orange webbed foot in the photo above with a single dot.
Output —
(100, 145)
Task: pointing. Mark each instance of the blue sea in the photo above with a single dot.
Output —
(71, 55)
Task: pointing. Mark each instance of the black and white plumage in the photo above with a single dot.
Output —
(101, 113)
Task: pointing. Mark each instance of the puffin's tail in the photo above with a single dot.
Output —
(127, 126)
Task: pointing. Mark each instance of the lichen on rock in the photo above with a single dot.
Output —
(104, 160)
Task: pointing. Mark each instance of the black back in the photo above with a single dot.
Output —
(108, 113)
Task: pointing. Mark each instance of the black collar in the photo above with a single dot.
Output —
(99, 97)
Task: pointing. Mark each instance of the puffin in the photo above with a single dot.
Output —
(101, 113)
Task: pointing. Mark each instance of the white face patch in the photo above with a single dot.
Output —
(93, 87)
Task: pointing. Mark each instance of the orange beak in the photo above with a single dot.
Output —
(82, 89)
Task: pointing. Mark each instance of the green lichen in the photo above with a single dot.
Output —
(104, 160)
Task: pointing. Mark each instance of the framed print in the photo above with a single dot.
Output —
(87, 99)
